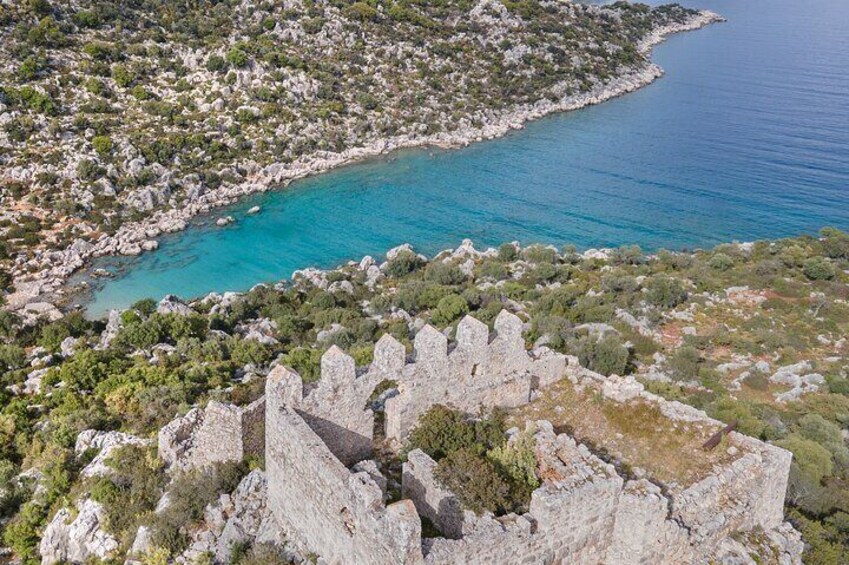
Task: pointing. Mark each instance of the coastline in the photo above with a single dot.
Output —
(40, 290)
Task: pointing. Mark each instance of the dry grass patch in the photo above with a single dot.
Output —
(630, 435)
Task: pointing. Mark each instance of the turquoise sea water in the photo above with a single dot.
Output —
(747, 136)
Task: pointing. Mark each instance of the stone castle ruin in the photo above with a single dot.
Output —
(329, 497)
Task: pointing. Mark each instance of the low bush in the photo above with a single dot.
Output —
(607, 355)
(189, 494)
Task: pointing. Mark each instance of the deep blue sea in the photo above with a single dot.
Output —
(745, 137)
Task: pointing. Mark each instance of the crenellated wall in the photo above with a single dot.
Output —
(480, 371)
(322, 505)
(584, 512)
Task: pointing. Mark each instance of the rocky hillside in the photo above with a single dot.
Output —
(753, 333)
(115, 112)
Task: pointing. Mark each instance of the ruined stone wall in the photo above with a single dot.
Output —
(432, 501)
(336, 407)
(586, 513)
(312, 434)
(570, 519)
(322, 505)
(642, 532)
(740, 496)
(478, 372)
(215, 434)
(745, 494)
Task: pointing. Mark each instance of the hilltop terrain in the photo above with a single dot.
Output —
(121, 120)
(750, 333)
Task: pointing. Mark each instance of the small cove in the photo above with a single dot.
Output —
(746, 137)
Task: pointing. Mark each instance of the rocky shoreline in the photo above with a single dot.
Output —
(37, 293)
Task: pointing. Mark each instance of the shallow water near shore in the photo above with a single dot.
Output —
(745, 137)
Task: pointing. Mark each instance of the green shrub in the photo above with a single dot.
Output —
(30, 67)
(627, 255)
(493, 269)
(102, 144)
(517, 460)
(721, 262)
(507, 252)
(145, 306)
(23, 533)
(306, 362)
(818, 269)
(539, 254)
(404, 263)
(89, 170)
(443, 273)
(684, 363)
(835, 243)
(449, 309)
(39, 7)
(216, 64)
(811, 464)
(665, 292)
(122, 76)
(237, 57)
(442, 430)
(86, 19)
(607, 355)
(475, 481)
(360, 11)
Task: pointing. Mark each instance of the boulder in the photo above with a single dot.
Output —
(77, 539)
(106, 443)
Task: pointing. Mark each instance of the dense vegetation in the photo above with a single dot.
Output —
(475, 461)
(712, 328)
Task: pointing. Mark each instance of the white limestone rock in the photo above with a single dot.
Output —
(621, 389)
(77, 539)
(106, 443)
(173, 305)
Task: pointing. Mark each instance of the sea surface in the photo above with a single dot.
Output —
(745, 137)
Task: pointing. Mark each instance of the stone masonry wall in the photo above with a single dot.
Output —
(432, 501)
(478, 372)
(570, 519)
(336, 407)
(746, 494)
(322, 505)
(214, 434)
(583, 513)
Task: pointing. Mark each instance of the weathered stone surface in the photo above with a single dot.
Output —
(217, 433)
(432, 501)
(584, 512)
(76, 538)
(327, 508)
